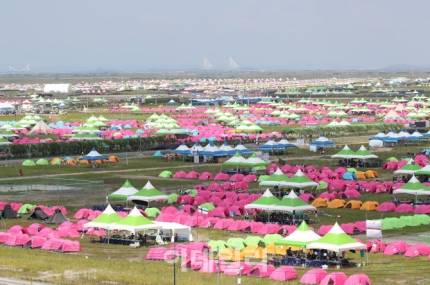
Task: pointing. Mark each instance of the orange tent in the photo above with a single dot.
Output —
(84, 162)
(113, 159)
(353, 204)
(371, 174)
(360, 175)
(254, 252)
(319, 203)
(369, 206)
(230, 254)
(336, 204)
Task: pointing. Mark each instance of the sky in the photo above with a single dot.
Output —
(143, 35)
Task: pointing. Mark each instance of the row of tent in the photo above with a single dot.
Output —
(279, 179)
(362, 153)
(289, 203)
(393, 137)
(127, 192)
(134, 222)
(335, 240)
(211, 150)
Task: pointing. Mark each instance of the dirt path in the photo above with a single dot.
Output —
(12, 281)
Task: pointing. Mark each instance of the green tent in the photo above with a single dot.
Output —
(236, 161)
(42, 162)
(392, 223)
(424, 219)
(336, 240)
(172, 198)
(126, 190)
(147, 194)
(25, 209)
(191, 192)
(413, 187)
(105, 220)
(410, 221)
(271, 238)
(299, 180)
(425, 171)
(236, 243)
(165, 174)
(266, 202)
(152, 212)
(302, 236)
(276, 179)
(363, 153)
(206, 207)
(28, 162)
(345, 153)
(322, 185)
(217, 245)
(134, 222)
(291, 203)
(254, 241)
(408, 169)
(255, 161)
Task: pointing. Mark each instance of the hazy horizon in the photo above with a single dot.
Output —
(142, 36)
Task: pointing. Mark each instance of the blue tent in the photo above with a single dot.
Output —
(348, 176)
(94, 155)
(158, 154)
(323, 142)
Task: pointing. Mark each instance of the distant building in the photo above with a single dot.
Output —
(56, 88)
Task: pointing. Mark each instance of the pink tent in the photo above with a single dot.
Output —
(205, 176)
(156, 253)
(218, 212)
(386, 207)
(22, 240)
(283, 273)
(422, 209)
(221, 177)
(4, 237)
(33, 229)
(360, 226)
(260, 270)
(16, 229)
(70, 246)
(237, 177)
(417, 250)
(221, 224)
(169, 210)
(348, 228)
(37, 241)
(180, 174)
(192, 175)
(209, 266)
(307, 197)
(334, 278)
(313, 276)
(358, 279)
(393, 248)
(324, 229)
(236, 268)
(53, 244)
(352, 194)
(82, 214)
(404, 208)
(250, 178)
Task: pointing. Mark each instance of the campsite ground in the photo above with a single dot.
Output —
(113, 264)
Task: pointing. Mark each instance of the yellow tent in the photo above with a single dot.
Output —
(369, 206)
(319, 203)
(336, 204)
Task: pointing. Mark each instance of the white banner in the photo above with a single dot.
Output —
(373, 234)
(374, 224)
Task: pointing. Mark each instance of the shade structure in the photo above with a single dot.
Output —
(271, 145)
(336, 240)
(105, 219)
(94, 155)
(236, 161)
(413, 187)
(292, 203)
(302, 236)
(362, 153)
(276, 179)
(425, 171)
(255, 161)
(126, 190)
(147, 194)
(323, 142)
(266, 202)
(345, 153)
(408, 169)
(299, 180)
(183, 150)
(134, 222)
